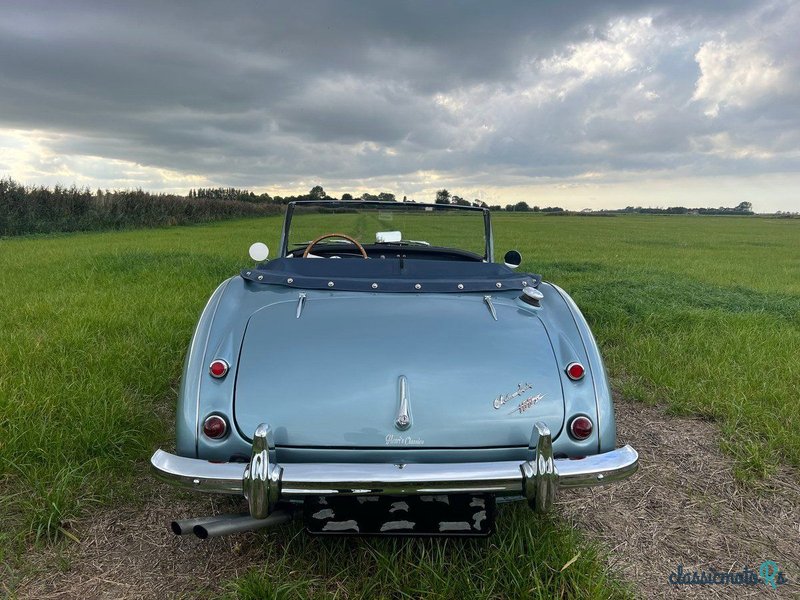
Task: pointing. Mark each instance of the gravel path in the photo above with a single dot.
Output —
(682, 507)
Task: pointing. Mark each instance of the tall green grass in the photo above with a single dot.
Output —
(95, 328)
(699, 313)
(528, 557)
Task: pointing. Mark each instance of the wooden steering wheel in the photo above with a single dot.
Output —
(335, 235)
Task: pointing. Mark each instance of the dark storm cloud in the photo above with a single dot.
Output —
(260, 94)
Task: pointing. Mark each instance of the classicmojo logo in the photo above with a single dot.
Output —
(767, 573)
(403, 440)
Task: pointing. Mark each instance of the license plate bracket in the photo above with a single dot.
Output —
(459, 515)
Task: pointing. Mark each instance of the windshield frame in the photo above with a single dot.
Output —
(287, 221)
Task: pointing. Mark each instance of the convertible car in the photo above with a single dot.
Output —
(384, 375)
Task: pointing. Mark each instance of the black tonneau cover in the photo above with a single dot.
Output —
(390, 275)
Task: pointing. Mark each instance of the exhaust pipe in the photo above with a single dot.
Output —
(186, 526)
(227, 524)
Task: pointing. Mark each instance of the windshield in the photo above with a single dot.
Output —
(390, 224)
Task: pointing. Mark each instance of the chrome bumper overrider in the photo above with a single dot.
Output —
(264, 482)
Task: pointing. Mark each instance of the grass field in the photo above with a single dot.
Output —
(699, 313)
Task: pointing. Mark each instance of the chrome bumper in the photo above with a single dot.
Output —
(264, 482)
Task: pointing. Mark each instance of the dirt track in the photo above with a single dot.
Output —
(684, 507)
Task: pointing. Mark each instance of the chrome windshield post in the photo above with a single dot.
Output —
(539, 475)
(487, 226)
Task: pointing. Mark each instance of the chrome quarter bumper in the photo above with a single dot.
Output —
(264, 482)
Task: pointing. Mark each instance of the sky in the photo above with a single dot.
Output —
(581, 104)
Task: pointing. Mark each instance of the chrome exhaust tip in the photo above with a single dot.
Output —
(239, 524)
(186, 526)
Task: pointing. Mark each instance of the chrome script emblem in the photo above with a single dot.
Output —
(503, 398)
(399, 440)
(527, 403)
(403, 419)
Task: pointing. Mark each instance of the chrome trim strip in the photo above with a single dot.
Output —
(198, 474)
(301, 301)
(488, 300)
(403, 419)
(301, 479)
(400, 479)
(599, 469)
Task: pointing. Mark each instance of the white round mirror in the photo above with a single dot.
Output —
(259, 252)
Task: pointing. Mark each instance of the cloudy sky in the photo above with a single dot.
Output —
(581, 104)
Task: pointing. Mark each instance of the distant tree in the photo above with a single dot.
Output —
(521, 207)
(744, 207)
(442, 197)
(509, 207)
(369, 197)
(386, 197)
(347, 197)
(317, 193)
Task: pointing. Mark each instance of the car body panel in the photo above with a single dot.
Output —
(350, 350)
(233, 304)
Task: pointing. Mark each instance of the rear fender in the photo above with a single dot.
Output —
(578, 335)
(187, 420)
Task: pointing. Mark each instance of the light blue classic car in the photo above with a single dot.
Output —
(384, 375)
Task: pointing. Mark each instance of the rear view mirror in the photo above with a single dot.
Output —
(387, 237)
(512, 259)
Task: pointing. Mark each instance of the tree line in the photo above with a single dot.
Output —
(443, 196)
(38, 209)
(315, 193)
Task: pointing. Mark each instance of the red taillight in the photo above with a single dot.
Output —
(215, 427)
(218, 368)
(580, 428)
(575, 371)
